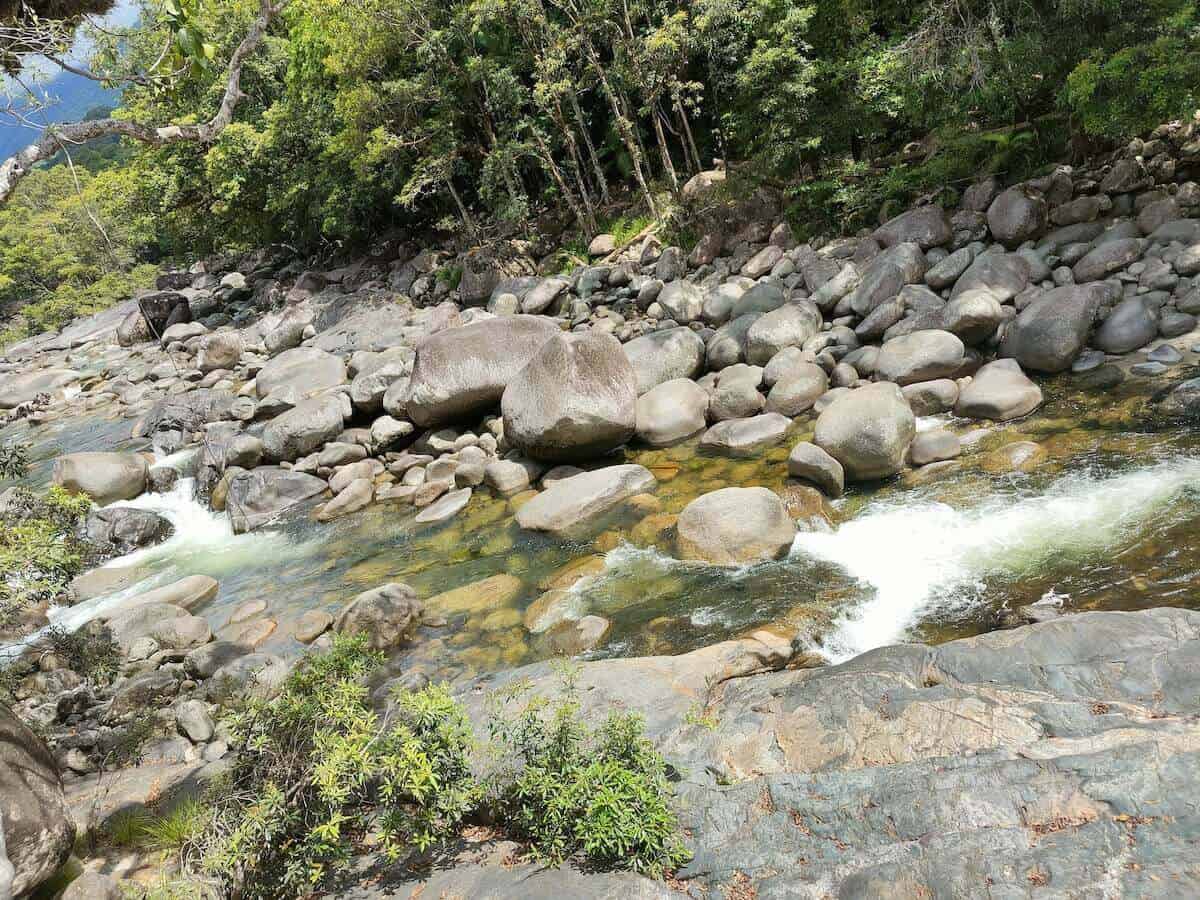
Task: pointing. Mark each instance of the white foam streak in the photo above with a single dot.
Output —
(918, 556)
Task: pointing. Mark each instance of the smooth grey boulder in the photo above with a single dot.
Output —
(934, 445)
(760, 298)
(1107, 258)
(671, 412)
(943, 274)
(1051, 331)
(17, 388)
(920, 356)
(797, 391)
(304, 428)
(791, 325)
(222, 350)
(1003, 275)
(727, 346)
(540, 298)
(445, 508)
(719, 302)
(810, 463)
(868, 431)
(304, 370)
(734, 526)
(1128, 327)
(931, 398)
(104, 477)
(683, 301)
(1017, 215)
(573, 506)
(925, 226)
(125, 529)
(973, 316)
(462, 372)
(576, 399)
(259, 497)
(170, 626)
(665, 355)
(387, 615)
(1000, 391)
(187, 593)
(733, 392)
(745, 437)
(38, 830)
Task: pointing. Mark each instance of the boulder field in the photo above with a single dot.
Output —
(1060, 755)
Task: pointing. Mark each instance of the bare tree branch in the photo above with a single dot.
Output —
(16, 167)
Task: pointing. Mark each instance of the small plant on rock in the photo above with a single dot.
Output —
(14, 460)
(598, 794)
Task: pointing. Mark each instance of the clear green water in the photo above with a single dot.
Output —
(1107, 520)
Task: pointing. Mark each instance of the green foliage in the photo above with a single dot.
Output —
(14, 460)
(1134, 89)
(90, 652)
(319, 773)
(450, 276)
(320, 776)
(599, 794)
(40, 551)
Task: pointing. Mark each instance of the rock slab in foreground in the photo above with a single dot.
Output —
(1060, 759)
(38, 831)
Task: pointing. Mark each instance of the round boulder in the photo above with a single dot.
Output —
(920, 356)
(576, 399)
(788, 326)
(671, 412)
(1017, 215)
(37, 828)
(387, 615)
(1000, 391)
(868, 431)
(105, 477)
(1129, 326)
(666, 355)
(303, 370)
(734, 526)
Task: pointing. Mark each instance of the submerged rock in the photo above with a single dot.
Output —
(387, 615)
(573, 506)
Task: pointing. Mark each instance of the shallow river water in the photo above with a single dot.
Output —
(1108, 519)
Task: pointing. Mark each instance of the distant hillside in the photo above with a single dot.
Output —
(73, 98)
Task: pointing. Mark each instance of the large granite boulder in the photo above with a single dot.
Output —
(261, 496)
(1051, 331)
(305, 427)
(727, 346)
(666, 355)
(1129, 326)
(576, 399)
(1106, 258)
(125, 529)
(573, 506)
(683, 301)
(462, 372)
(302, 370)
(791, 325)
(734, 526)
(105, 477)
(219, 351)
(1000, 391)
(868, 431)
(745, 436)
(920, 356)
(671, 412)
(38, 830)
(1017, 215)
(925, 226)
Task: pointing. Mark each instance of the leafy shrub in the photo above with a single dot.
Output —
(318, 773)
(90, 651)
(14, 460)
(320, 776)
(40, 551)
(1136, 88)
(601, 794)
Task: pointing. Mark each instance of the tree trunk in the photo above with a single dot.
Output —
(689, 143)
(462, 210)
(626, 131)
(584, 220)
(663, 150)
(591, 149)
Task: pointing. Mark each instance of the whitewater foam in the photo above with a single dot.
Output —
(922, 557)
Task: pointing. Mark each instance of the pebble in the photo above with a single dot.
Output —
(1087, 361)
(1148, 368)
(1166, 354)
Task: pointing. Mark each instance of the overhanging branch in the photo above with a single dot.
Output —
(16, 167)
